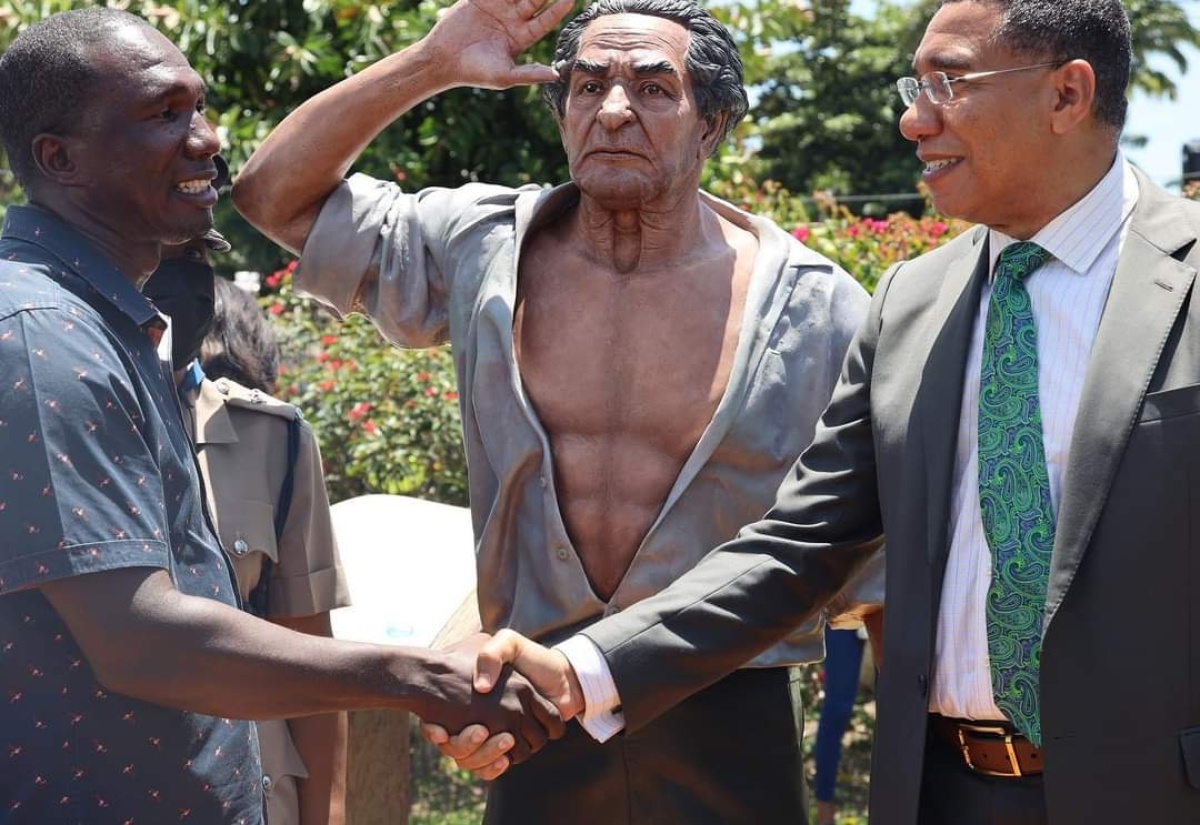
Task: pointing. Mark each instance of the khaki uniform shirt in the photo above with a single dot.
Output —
(440, 265)
(241, 438)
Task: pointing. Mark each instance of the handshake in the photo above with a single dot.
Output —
(521, 695)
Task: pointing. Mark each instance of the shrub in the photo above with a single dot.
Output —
(387, 419)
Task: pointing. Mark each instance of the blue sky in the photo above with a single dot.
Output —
(1167, 124)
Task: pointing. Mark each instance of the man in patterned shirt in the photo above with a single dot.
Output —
(121, 648)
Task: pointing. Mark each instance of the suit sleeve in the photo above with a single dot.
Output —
(747, 594)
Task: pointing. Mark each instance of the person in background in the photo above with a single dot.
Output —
(261, 468)
(843, 662)
(125, 666)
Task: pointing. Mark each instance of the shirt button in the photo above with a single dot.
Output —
(562, 553)
(542, 481)
(240, 547)
(268, 785)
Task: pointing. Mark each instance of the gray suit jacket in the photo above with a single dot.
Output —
(1121, 654)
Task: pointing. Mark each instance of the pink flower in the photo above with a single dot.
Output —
(328, 340)
(802, 233)
(359, 410)
(275, 308)
(369, 428)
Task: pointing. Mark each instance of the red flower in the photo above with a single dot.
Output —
(450, 395)
(275, 308)
(369, 428)
(322, 357)
(359, 410)
(423, 377)
(328, 340)
(325, 386)
(802, 233)
(430, 392)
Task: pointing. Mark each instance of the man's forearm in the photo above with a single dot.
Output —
(157, 644)
(143, 638)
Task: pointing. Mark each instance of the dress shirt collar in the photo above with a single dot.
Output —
(42, 228)
(1077, 236)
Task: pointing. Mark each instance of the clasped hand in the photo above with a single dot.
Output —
(475, 747)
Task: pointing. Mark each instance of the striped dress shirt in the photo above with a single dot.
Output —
(1068, 294)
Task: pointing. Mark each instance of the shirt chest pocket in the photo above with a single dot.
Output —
(247, 531)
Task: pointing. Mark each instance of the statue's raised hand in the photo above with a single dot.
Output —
(482, 39)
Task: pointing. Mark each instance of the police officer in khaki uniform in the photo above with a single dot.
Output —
(266, 495)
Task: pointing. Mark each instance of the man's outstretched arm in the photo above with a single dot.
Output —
(475, 43)
(197, 654)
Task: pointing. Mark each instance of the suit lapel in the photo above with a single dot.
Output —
(940, 402)
(1148, 291)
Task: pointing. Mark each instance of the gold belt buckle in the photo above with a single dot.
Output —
(989, 730)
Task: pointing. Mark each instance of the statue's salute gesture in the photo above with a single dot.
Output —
(482, 39)
(474, 43)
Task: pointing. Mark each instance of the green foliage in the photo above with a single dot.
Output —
(387, 419)
(827, 107)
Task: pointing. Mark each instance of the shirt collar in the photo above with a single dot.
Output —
(42, 228)
(1077, 236)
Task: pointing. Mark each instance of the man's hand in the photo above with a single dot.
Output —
(485, 37)
(448, 700)
(549, 671)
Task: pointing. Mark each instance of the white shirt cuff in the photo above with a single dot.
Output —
(601, 718)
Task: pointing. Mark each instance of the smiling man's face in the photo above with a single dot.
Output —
(143, 143)
(984, 150)
(631, 126)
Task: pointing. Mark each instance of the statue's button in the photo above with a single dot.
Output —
(240, 547)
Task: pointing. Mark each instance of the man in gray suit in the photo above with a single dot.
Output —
(1020, 415)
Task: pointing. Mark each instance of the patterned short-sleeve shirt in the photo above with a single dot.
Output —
(96, 473)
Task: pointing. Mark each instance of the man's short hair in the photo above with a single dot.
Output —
(1093, 30)
(47, 75)
(712, 57)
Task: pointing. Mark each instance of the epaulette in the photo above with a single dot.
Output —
(236, 395)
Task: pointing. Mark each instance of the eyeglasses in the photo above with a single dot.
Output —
(937, 84)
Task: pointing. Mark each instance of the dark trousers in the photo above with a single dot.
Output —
(730, 754)
(953, 794)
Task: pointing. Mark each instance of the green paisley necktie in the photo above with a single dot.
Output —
(1014, 490)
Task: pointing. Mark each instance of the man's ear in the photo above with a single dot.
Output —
(1074, 95)
(714, 130)
(56, 158)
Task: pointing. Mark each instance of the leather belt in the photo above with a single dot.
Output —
(989, 748)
